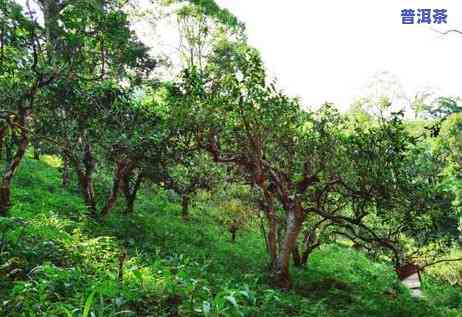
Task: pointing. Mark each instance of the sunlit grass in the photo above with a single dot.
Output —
(52, 160)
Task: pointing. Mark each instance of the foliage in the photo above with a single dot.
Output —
(70, 266)
(322, 205)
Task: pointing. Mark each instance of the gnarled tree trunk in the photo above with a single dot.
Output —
(85, 176)
(13, 164)
(121, 169)
(280, 267)
(86, 187)
(274, 187)
(310, 243)
(11, 169)
(85, 169)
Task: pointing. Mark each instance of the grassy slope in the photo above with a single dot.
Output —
(56, 262)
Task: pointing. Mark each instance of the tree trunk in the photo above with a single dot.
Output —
(86, 188)
(233, 236)
(120, 171)
(185, 206)
(268, 208)
(306, 254)
(36, 153)
(233, 228)
(5, 187)
(4, 200)
(130, 193)
(85, 176)
(280, 268)
(311, 242)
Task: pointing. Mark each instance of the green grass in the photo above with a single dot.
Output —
(54, 261)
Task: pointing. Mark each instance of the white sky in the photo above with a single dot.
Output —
(329, 50)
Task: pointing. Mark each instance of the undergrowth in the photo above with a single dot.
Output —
(55, 261)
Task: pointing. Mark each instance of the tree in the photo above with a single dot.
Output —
(348, 177)
(445, 106)
(90, 106)
(23, 75)
(188, 175)
(264, 134)
(397, 200)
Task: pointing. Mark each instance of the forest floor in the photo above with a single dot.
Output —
(55, 261)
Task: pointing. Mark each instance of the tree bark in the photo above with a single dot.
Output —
(311, 242)
(4, 200)
(306, 254)
(233, 236)
(272, 226)
(130, 193)
(5, 187)
(85, 176)
(86, 188)
(120, 171)
(280, 268)
(185, 200)
(85, 168)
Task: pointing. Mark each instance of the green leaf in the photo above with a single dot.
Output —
(88, 303)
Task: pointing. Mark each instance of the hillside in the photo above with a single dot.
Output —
(54, 261)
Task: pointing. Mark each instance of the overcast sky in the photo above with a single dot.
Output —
(329, 50)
